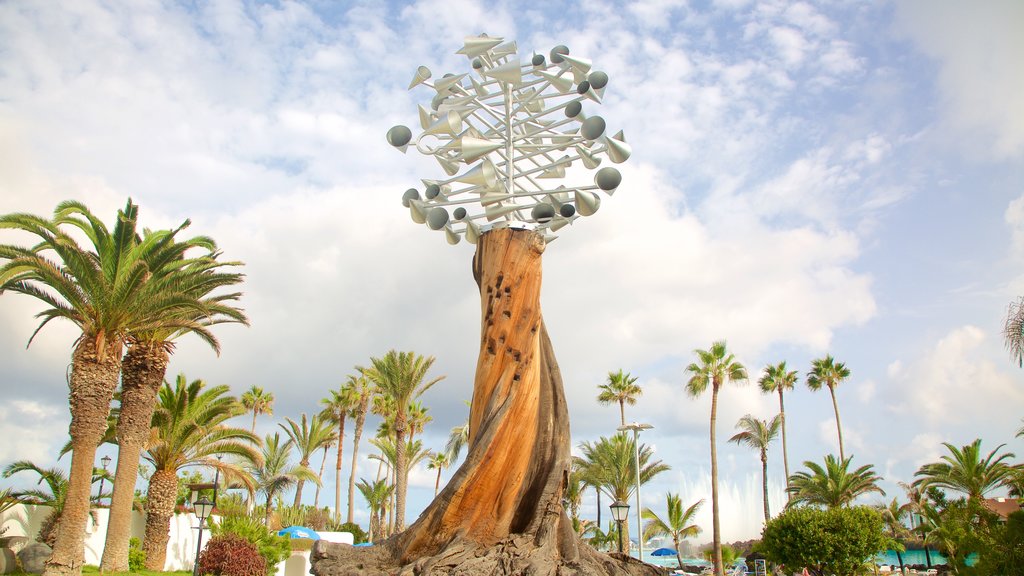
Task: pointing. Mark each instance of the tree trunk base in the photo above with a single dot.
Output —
(514, 556)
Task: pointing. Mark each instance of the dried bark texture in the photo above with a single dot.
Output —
(94, 372)
(501, 513)
(163, 489)
(143, 370)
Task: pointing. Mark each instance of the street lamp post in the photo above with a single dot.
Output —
(636, 428)
(202, 508)
(106, 462)
(620, 510)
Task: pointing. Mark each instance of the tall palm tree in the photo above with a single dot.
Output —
(189, 430)
(273, 474)
(833, 485)
(307, 436)
(401, 376)
(827, 372)
(144, 365)
(758, 434)
(678, 523)
(258, 402)
(716, 367)
(777, 379)
(437, 461)
(377, 495)
(964, 470)
(893, 514)
(610, 464)
(621, 388)
(415, 453)
(107, 292)
(364, 392)
(336, 410)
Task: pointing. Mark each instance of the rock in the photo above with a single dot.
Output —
(15, 543)
(8, 561)
(33, 557)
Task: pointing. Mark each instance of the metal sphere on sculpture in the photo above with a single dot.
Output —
(513, 141)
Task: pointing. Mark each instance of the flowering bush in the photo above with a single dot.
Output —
(231, 555)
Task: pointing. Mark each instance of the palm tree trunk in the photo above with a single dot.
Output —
(764, 477)
(143, 371)
(401, 465)
(622, 411)
(320, 476)
(598, 489)
(839, 426)
(163, 488)
(716, 536)
(679, 557)
(298, 485)
(337, 469)
(270, 502)
(93, 380)
(437, 483)
(253, 429)
(356, 436)
(785, 452)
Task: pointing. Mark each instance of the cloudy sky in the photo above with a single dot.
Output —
(807, 178)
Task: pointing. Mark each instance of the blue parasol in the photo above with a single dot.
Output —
(299, 532)
(664, 552)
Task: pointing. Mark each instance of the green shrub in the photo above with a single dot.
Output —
(231, 555)
(357, 532)
(136, 555)
(272, 548)
(835, 541)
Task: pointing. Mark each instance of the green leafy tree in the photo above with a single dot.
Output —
(273, 474)
(401, 376)
(307, 436)
(189, 430)
(833, 485)
(777, 378)
(610, 464)
(54, 496)
(677, 523)
(377, 495)
(336, 409)
(758, 434)
(893, 514)
(959, 528)
(715, 367)
(257, 401)
(835, 541)
(621, 389)
(1006, 548)
(273, 548)
(108, 292)
(964, 470)
(829, 373)
(364, 392)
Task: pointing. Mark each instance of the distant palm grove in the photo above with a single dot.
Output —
(132, 293)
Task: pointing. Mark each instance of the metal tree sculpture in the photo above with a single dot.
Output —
(519, 129)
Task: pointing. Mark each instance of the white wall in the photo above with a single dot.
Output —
(25, 520)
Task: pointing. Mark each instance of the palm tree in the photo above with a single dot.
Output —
(418, 418)
(437, 461)
(758, 434)
(400, 376)
(678, 524)
(364, 392)
(833, 485)
(717, 366)
(415, 453)
(189, 430)
(622, 389)
(54, 497)
(258, 402)
(964, 470)
(307, 436)
(1013, 331)
(777, 379)
(893, 515)
(108, 293)
(144, 365)
(273, 474)
(827, 372)
(610, 464)
(916, 504)
(336, 410)
(377, 495)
